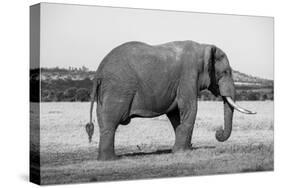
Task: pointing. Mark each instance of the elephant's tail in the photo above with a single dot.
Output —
(94, 97)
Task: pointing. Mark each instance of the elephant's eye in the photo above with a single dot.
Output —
(228, 72)
(219, 58)
(221, 74)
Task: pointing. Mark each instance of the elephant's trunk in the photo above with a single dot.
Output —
(227, 91)
(223, 134)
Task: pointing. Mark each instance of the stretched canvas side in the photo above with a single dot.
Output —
(34, 79)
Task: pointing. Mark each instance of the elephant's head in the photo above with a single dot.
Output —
(217, 77)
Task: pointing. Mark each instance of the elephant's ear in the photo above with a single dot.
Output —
(209, 58)
(208, 66)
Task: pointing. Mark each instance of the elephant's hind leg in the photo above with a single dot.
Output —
(110, 115)
(174, 117)
(107, 135)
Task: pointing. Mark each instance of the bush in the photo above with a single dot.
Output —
(48, 95)
(82, 94)
(59, 96)
(254, 96)
(44, 94)
(70, 93)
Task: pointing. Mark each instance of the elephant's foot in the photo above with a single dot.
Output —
(189, 146)
(107, 157)
(179, 149)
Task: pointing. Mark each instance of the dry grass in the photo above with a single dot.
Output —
(144, 145)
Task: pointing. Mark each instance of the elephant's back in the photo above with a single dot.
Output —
(138, 60)
(140, 53)
(118, 58)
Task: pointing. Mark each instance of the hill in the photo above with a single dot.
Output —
(245, 79)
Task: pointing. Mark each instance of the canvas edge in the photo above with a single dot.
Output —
(34, 83)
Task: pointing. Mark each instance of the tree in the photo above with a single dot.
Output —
(82, 94)
(59, 96)
(51, 96)
(84, 69)
(44, 94)
(253, 96)
(70, 93)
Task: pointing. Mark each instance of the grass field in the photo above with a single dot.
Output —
(145, 145)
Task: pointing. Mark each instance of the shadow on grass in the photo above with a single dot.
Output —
(258, 168)
(159, 152)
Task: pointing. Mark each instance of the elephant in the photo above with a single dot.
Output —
(136, 79)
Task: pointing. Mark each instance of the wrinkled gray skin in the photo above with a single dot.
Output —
(139, 80)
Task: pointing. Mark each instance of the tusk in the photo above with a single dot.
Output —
(240, 109)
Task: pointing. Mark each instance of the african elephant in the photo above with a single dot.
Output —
(140, 80)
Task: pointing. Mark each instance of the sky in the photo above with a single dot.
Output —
(76, 36)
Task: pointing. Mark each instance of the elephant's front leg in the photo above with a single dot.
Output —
(188, 111)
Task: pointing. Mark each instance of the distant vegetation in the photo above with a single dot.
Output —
(75, 84)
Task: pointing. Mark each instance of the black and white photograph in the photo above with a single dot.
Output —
(125, 93)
